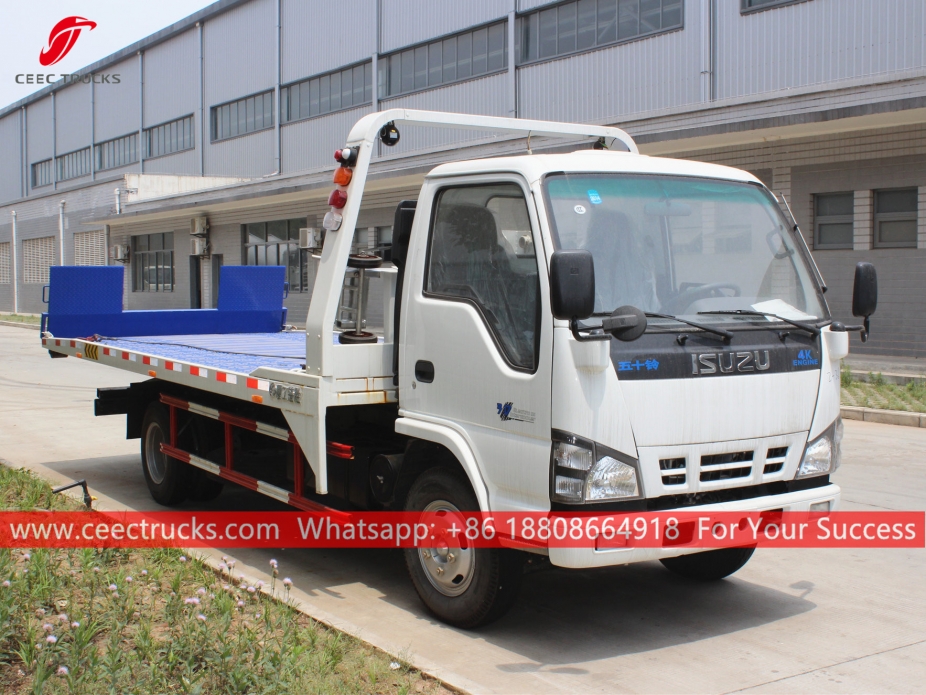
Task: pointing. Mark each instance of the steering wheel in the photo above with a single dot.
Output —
(687, 297)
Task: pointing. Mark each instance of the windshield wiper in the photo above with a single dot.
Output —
(813, 330)
(726, 335)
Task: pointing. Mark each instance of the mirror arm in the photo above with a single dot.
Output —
(574, 327)
(862, 330)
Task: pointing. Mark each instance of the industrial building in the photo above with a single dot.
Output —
(232, 115)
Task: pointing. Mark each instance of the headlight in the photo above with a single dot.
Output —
(822, 455)
(587, 472)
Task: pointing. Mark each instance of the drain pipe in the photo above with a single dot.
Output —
(61, 231)
(13, 263)
(118, 202)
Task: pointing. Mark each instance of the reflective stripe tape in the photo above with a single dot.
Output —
(106, 351)
(259, 384)
(199, 371)
(227, 378)
(153, 361)
(173, 366)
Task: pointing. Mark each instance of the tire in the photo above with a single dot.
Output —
(168, 479)
(487, 580)
(205, 487)
(709, 566)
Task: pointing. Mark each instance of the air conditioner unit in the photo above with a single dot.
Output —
(199, 246)
(310, 238)
(199, 226)
(119, 252)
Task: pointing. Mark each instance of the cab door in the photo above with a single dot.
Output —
(477, 331)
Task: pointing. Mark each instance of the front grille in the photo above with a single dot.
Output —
(775, 460)
(726, 466)
(675, 468)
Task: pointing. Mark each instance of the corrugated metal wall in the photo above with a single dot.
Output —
(172, 79)
(405, 22)
(486, 95)
(181, 163)
(309, 144)
(248, 155)
(323, 36)
(813, 42)
(10, 170)
(40, 131)
(73, 107)
(655, 73)
(525, 5)
(239, 49)
(116, 106)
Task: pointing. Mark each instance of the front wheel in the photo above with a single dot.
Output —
(465, 586)
(710, 565)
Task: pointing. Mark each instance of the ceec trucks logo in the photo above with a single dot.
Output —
(62, 38)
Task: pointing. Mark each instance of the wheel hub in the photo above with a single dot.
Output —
(154, 457)
(450, 570)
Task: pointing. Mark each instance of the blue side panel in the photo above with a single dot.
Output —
(87, 300)
(251, 288)
(85, 289)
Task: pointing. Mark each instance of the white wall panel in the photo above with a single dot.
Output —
(239, 49)
(116, 109)
(186, 162)
(314, 39)
(248, 155)
(73, 122)
(487, 96)
(406, 22)
(10, 153)
(172, 79)
(310, 144)
(658, 72)
(815, 42)
(40, 130)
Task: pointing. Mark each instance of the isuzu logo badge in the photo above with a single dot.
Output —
(729, 362)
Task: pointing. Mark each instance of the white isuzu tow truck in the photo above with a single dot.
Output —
(598, 330)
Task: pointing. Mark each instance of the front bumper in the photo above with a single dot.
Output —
(799, 501)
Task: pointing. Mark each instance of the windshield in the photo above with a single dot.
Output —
(681, 246)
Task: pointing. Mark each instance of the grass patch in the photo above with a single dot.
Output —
(875, 393)
(21, 318)
(154, 621)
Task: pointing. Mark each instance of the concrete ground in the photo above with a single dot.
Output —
(831, 621)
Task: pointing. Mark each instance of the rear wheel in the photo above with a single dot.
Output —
(464, 586)
(167, 478)
(710, 565)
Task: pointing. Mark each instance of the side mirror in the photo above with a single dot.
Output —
(865, 294)
(402, 231)
(572, 284)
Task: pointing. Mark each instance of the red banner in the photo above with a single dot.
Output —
(462, 529)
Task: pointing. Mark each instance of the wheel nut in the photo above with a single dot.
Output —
(450, 557)
(440, 570)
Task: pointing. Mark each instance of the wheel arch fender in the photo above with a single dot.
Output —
(455, 443)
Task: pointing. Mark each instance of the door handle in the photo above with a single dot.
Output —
(424, 371)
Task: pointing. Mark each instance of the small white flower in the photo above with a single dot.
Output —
(128, 579)
(225, 587)
(6, 583)
(191, 601)
(183, 558)
(27, 556)
(48, 627)
(63, 617)
(62, 670)
(96, 569)
(40, 612)
(395, 665)
(201, 617)
(144, 573)
(223, 566)
(257, 616)
(273, 564)
(287, 581)
(75, 624)
(224, 558)
(260, 583)
(240, 604)
(51, 639)
(113, 587)
(201, 591)
(251, 589)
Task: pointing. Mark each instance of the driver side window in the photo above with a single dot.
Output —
(481, 251)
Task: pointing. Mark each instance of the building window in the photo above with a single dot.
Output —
(895, 217)
(833, 220)
(116, 153)
(90, 247)
(342, 89)
(5, 263)
(747, 6)
(38, 257)
(470, 54)
(153, 262)
(277, 243)
(168, 138)
(586, 24)
(42, 173)
(74, 164)
(243, 116)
